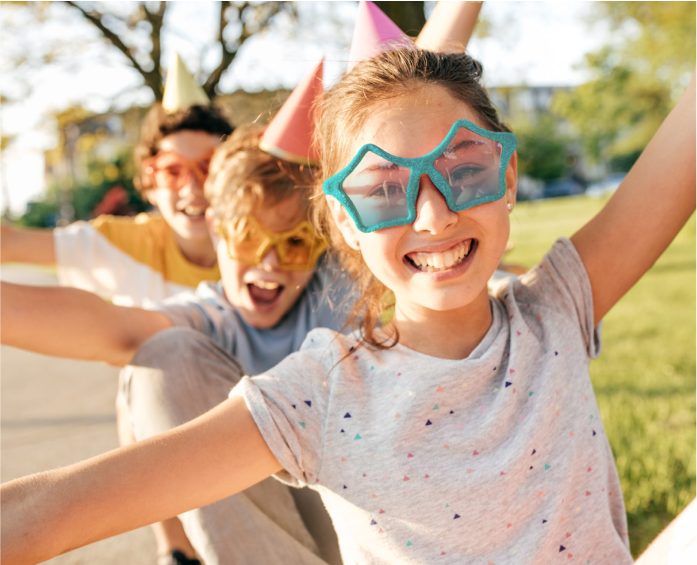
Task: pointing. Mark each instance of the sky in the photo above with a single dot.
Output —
(533, 43)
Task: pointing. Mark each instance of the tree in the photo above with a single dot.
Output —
(636, 79)
(409, 16)
(237, 22)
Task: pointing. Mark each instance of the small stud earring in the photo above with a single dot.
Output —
(510, 206)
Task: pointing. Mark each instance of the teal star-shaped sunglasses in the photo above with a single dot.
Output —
(379, 190)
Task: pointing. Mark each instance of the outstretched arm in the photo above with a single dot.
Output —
(449, 27)
(212, 457)
(26, 246)
(646, 213)
(67, 322)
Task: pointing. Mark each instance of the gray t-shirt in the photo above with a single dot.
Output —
(323, 304)
(497, 458)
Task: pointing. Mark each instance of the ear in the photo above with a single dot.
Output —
(344, 222)
(512, 178)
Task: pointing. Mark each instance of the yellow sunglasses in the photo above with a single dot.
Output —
(298, 249)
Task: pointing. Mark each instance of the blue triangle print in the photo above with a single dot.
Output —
(347, 415)
(456, 516)
(309, 403)
(293, 405)
(561, 548)
(428, 422)
(508, 384)
(373, 523)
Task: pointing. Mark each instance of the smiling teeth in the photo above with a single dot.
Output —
(194, 210)
(441, 261)
(266, 285)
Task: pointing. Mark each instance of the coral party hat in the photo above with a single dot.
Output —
(181, 90)
(289, 135)
(374, 33)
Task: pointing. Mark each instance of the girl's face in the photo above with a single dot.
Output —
(411, 126)
(264, 293)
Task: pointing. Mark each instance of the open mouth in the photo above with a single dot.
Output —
(442, 261)
(193, 211)
(265, 294)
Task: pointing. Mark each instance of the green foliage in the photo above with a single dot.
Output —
(636, 80)
(543, 151)
(644, 380)
(84, 197)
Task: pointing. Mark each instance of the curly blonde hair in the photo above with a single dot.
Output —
(344, 112)
(242, 176)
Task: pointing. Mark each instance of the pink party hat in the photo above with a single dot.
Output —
(374, 33)
(289, 135)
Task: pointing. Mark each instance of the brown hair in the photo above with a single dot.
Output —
(242, 176)
(157, 125)
(345, 110)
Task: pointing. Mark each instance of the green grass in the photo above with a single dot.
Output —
(644, 378)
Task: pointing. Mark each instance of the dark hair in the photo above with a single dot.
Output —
(344, 111)
(157, 125)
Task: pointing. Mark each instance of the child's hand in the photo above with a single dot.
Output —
(646, 213)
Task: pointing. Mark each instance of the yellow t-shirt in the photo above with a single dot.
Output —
(132, 261)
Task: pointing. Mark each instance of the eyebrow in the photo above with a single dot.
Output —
(462, 144)
(380, 167)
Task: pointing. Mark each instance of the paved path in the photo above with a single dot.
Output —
(56, 412)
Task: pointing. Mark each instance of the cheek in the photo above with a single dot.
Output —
(299, 280)
(164, 199)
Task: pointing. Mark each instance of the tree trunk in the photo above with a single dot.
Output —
(409, 16)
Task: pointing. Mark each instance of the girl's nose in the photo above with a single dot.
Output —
(191, 185)
(432, 212)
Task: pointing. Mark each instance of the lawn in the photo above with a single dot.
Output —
(644, 378)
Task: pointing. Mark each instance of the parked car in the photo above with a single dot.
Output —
(605, 186)
(562, 187)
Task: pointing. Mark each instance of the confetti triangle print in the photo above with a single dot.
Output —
(447, 505)
(409, 544)
(508, 383)
(343, 459)
(435, 407)
(442, 552)
(302, 424)
(452, 412)
(531, 393)
(588, 493)
(439, 389)
(561, 548)
(428, 423)
(373, 523)
(381, 511)
(358, 436)
(456, 516)
(427, 476)
(409, 455)
(533, 452)
(345, 486)
(381, 531)
(375, 495)
(347, 415)
(475, 452)
(293, 405)
(547, 467)
(397, 415)
(544, 521)
(365, 475)
(593, 432)
(342, 431)
(406, 478)
(309, 403)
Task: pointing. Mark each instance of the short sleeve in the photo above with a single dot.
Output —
(561, 283)
(200, 311)
(289, 405)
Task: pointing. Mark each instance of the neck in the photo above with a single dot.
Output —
(450, 334)
(199, 251)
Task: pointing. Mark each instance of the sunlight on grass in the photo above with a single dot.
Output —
(644, 378)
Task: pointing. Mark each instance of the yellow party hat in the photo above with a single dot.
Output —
(181, 90)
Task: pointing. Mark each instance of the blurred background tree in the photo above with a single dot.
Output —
(636, 79)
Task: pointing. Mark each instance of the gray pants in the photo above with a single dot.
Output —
(180, 374)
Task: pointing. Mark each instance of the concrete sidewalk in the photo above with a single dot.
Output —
(56, 412)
